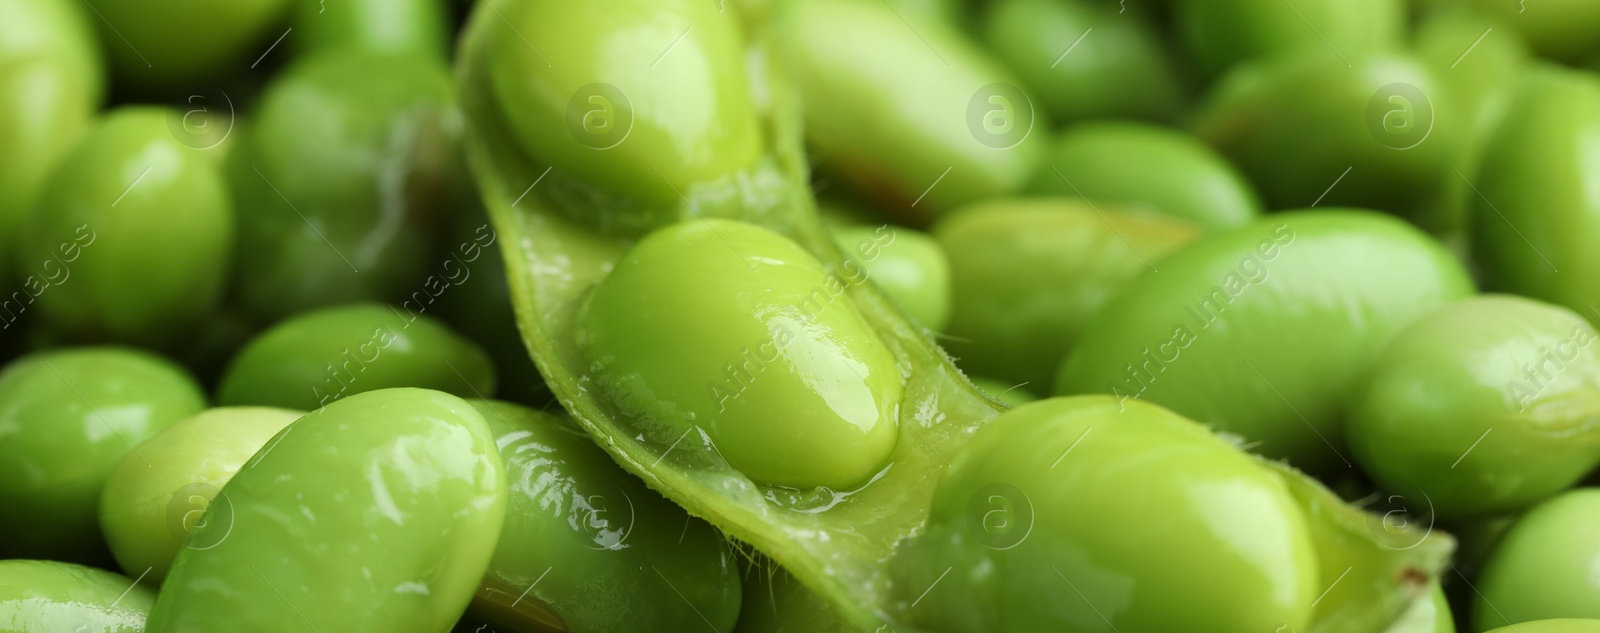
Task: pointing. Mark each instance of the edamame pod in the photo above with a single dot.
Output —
(1427, 616)
(908, 265)
(154, 499)
(838, 543)
(343, 180)
(1310, 129)
(1526, 371)
(774, 602)
(764, 358)
(160, 44)
(1247, 545)
(1261, 330)
(319, 357)
(835, 541)
(1221, 33)
(1113, 64)
(378, 513)
(1544, 567)
(649, 117)
(38, 595)
(1008, 393)
(132, 236)
(1027, 274)
(923, 124)
(67, 418)
(417, 26)
(1144, 167)
(588, 546)
(1537, 219)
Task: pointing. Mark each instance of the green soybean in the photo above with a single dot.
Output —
(600, 551)
(1483, 84)
(37, 595)
(1378, 131)
(50, 84)
(343, 180)
(1027, 274)
(1536, 215)
(1118, 71)
(67, 418)
(418, 26)
(765, 356)
(1524, 370)
(376, 513)
(132, 237)
(1250, 549)
(1221, 334)
(908, 265)
(1144, 167)
(322, 356)
(162, 44)
(1427, 616)
(1544, 567)
(921, 124)
(154, 499)
(1222, 33)
(628, 115)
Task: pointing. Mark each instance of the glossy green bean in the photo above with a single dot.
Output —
(319, 357)
(69, 417)
(1544, 566)
(376, 513)
(589, 547)
(38, 596)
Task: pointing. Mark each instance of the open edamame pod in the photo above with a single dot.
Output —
(1526, 371)
(1260, 331)
(39, 595)
(68, 418)
(1536, 216)
(154, 499)
(375, 513)
(1544, 566)
(588, 548)
(762, 271)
